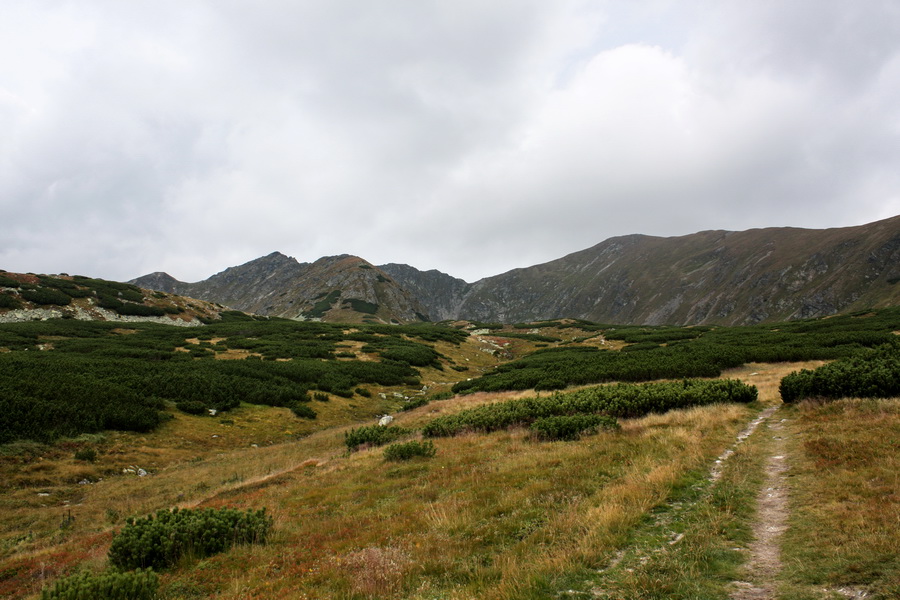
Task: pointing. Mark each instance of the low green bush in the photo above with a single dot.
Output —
(303, 411)
(571, 427)
(9, 282)
(9, 301)
(621, 400)
(46, 296)
(373, 435)
(191, 407)
(112, 585)
(139, 310)
(867, 374)
(408, 450)
(161, 541)
(86, 454)
(361, 306)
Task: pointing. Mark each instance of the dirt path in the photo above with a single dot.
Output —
(764, 564)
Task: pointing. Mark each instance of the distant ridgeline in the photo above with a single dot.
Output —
(710, 277)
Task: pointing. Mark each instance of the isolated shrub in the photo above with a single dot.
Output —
(109, 302)
(303, 411)
(363, 392)
(86, 454)
(571, 427)
(8, 282)
(416, 403)
(321, 397)
(112, 585)
(408, 450)
(9, 301)
(46, 296)
(162, 541)
(373, 435)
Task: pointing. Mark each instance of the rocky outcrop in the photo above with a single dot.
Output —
(440, 294)
(338, 288)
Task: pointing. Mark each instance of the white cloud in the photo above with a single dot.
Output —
(461, 136)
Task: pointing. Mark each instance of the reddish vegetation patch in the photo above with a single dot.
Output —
(24, 577)
(23, 277)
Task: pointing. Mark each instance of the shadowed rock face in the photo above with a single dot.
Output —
(714, 277)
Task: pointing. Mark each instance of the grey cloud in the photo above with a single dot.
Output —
(461, 136)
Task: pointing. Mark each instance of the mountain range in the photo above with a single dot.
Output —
(710, 277)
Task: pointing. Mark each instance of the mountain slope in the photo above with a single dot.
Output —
(440, 294)
(708, 277)
(720, 277)
(336, 288)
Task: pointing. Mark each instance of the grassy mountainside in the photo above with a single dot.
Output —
(719, 277)
(653, 508)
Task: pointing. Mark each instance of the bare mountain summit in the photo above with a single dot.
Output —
(335, 288)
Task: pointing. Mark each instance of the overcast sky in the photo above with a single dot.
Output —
(472, 137)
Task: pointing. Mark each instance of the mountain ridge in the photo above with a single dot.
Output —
(709, 277)
(340, 287)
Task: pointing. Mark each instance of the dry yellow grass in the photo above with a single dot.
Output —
(488, 517)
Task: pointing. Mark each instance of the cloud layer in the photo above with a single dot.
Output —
(471, 138)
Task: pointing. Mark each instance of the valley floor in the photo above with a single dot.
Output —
(690, 504)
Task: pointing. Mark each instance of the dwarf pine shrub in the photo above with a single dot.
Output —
(45, 296)
(191, 407)
(373, 435)
(161, 541)
(622, 400)
(303, 411)
(408, 450)
(8, 301)
(112, 585)
(868, 374)
(571, 427)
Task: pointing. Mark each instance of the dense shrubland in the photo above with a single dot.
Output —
(676, 352)
(873, 373)
(620, 400)
(96, 377)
